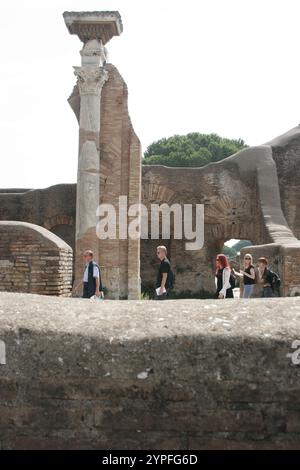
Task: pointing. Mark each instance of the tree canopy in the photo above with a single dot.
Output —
(191, 150)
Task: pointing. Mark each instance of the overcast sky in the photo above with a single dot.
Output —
(229, 67)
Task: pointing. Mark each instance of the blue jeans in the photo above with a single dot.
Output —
(267, 292)
(248, 290)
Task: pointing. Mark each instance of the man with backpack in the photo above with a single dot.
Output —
(92, 284)
(165, 276)
(269, 280)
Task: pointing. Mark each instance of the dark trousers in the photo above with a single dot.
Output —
(229, 294)
(267, 292)
(88, 292)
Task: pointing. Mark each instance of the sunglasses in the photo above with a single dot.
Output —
(247, 257)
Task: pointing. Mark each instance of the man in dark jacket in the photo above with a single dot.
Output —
(92, 284)
(162, 283)
(265, 278)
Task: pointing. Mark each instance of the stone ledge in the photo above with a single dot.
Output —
(142, 374)
(276, 318)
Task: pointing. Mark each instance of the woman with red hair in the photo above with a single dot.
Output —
(223, 276)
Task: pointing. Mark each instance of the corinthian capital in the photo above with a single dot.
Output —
(90, 80)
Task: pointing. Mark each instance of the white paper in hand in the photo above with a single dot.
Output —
(158, 291)
(94, 297)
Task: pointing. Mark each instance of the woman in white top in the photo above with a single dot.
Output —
(222, 276)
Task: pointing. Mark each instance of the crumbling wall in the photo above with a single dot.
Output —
(252, 195)
(53, 208)
(283, 260)
(230, 211)
(32, 259)
(130, 375)
(120, 168)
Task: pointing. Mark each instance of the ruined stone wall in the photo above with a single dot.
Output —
(241, 196)
(53, 208)
(288, 169)
(283, 260)
(230, 211)
(129, 375)
(34, 260)
(251, 195)
(120, 162)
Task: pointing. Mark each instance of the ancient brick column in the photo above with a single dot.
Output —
(94, 30)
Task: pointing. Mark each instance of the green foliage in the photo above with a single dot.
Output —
(232, 251)
(145, 296)
(229, 251)
(191, 150)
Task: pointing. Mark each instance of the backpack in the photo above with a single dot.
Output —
(275, 281)
(232, 281)
(171, 280)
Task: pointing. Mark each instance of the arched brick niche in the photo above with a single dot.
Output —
(34, 260)
(63, 226)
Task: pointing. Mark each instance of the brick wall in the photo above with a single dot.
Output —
(130, 375)
(32, 259)
(52, 208)
(232, 206)
(288, 169)
(283, 260)
(291, 271)
(120, 161)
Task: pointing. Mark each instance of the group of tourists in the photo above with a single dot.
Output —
(268, 281)
(225, 277)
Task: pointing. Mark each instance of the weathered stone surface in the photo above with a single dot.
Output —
(94, 25)
(32, 259)
(216, 374)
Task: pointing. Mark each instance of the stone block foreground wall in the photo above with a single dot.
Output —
(32, 259)
(138, 374)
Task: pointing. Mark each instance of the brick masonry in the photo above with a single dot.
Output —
(120, 175)
(241, 195)
(121, 161)
(53, 208)
(34, 260)
(186, 375)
